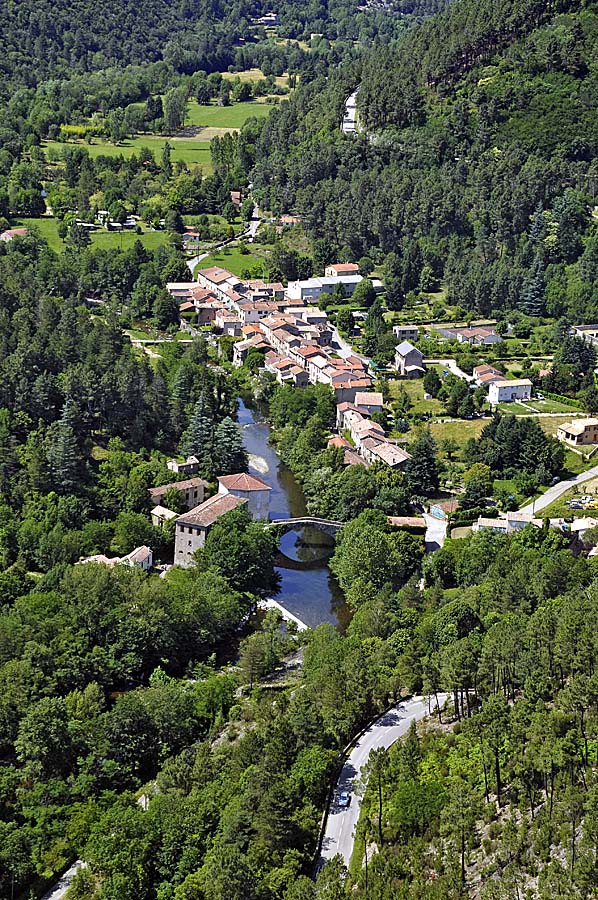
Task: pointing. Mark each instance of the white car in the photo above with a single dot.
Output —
(344, 799)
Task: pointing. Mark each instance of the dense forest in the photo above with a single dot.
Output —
(482, 182)
(147, 724)
(56, 38)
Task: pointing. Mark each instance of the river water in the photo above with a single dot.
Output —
(307, 587)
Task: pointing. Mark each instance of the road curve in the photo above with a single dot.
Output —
(61, 887)
(340, 827)
(557, 491)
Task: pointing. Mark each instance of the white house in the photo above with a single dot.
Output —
(161, 515)
(335, 269)
(141, 557)
(506, 391)
(251, 489)
(406, 332)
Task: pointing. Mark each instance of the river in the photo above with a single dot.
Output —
(308, 589)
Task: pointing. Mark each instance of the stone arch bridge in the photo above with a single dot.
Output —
(324, 525)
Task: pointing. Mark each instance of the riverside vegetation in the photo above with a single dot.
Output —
(473, 178)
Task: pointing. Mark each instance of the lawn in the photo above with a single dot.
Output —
(106, 240)
(538, 406)
(47, 227)
(460, 432)
(233, 116)
(234, 261)
(415, 389)
(192, 152)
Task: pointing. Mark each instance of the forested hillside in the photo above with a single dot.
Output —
(474, 166)
(54, 38)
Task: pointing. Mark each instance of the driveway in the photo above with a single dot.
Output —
(557, 491)
(435, 532)
(248, 234)
(340, 827)
(451, 365)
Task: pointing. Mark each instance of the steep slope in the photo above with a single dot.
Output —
(480, 179)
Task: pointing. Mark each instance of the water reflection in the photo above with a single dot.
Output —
(311, 593)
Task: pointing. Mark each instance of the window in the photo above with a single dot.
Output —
(190, 543)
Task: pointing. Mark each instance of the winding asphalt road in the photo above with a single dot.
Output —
(248, 234)
(557, 491)
(339, 835)
(61, 887)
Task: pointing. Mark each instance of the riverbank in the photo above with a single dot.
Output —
(308, 592)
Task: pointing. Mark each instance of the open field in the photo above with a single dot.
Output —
(460, 431)
(48, 228)
(539, 406)
(414, 388)
(251, 75)
(233, 116)
(192, 152)
(106, 240)
(235, 261)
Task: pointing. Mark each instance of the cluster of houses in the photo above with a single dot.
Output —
(512, 522)
(366, 442)
(476, 335)
(294, 337)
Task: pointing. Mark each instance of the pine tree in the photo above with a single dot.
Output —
(197, 439)
(62, 455)
(422, 468)
(534, 289)
(229, 453)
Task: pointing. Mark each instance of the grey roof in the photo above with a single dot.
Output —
(405, 347)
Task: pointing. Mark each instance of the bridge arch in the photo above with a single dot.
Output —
(285, 525)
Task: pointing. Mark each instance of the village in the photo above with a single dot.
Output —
(298, 346)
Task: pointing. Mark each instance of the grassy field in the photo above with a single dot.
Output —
(106, 240)
(538, 406)
(415, 390)
(251, 75)
(233, 116)
(234, 261)
(192, 152)
(47, 227)
(460, 432)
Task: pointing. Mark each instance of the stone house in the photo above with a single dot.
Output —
(409, 361)
(193, 527)
(193, 490)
